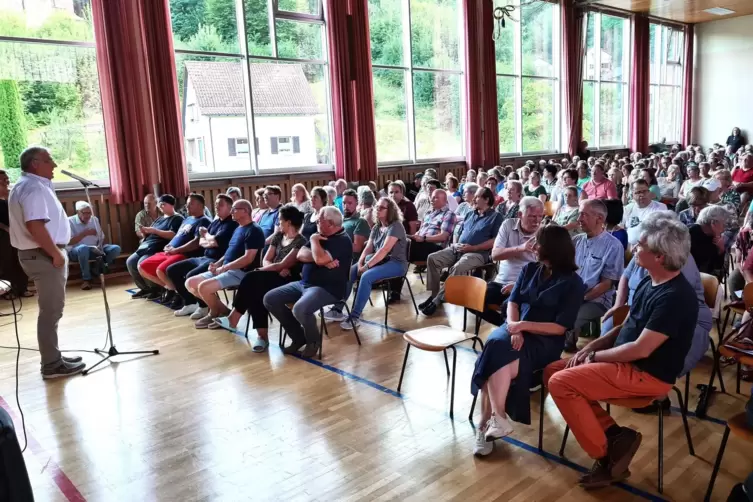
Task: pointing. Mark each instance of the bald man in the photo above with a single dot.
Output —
(87, 242)
(147, 216)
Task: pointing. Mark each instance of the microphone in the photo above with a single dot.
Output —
(78, 178)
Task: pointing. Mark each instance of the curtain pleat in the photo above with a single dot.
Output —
(640, 85)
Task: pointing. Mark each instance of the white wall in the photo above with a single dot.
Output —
(723, 80)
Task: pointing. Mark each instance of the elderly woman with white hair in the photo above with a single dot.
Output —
(366, 200)
(707, 242)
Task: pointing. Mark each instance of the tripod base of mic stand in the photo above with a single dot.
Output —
(113, 351)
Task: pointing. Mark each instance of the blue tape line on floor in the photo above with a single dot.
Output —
(514, 442)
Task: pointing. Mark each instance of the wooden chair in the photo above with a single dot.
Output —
(642, 402)
(628, 256)
(736, 309)
(549, 208)
(740, 359)
(464, 291)
(738, 426)
(710, 291)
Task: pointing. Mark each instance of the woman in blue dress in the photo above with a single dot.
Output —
(543, 305)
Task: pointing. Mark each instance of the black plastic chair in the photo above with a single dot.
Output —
(322, 328)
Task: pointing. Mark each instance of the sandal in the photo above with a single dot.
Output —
(260, 345)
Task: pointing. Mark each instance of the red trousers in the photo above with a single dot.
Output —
(577, 392)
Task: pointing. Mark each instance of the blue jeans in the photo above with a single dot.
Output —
(299, 322)
(384, 271)
(83, 254)
(132, 263)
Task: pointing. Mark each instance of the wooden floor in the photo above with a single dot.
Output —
(209, 420)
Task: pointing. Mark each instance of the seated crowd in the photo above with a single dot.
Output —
(562, 245)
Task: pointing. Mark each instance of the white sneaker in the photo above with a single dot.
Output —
(482, 447)
(186, 310)
(199, 313)
(333, 315)
(350, 323)
(497, 428)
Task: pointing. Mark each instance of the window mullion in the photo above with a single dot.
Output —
(518, 50)
(409, 94)
(597, 87)
(272, 26)
(247, 91)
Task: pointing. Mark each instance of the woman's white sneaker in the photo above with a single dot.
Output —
(482, 447)
(186, 310)
(199, 313)
(497, 428)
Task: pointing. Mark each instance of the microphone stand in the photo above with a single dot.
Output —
(101, 265)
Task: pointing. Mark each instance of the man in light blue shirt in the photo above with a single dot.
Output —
(601, 260)
(87, 242)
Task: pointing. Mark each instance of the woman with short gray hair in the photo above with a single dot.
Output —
(707, 243)
(366, 202)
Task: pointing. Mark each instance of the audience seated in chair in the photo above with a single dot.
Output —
(599, 186)
(567, 214)
(697, 199)
(543, 305)
(435, 231)
(509, 209)
(311, 218)
(601, 260)
(270, 219)
(355, 226)
(707, 244)
(513, 248)
(641, 358)
(385, 256)
(88, 242)
(243, 254)
(324, 279)
(632, 277)
(156, 237)
(469, 252)
(396, 191)
(184, 245)
(260, 204)
(639, 209)
(279, 267)
(569, 178)
(742, 178)
(213, 242)
(147, 216)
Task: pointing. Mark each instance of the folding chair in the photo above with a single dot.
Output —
(710, 291)
(464, 291)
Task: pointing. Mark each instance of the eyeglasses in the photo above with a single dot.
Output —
(237, 209)
(382, 208)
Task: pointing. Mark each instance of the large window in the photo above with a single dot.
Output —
(416, 50)
(254, 84)
(49, 88)
(667, 47)
(528, 83)
(605, 79)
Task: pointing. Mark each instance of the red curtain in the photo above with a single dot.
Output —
(474, 141)
(352, 93)
(573, 44)
(687, 88)
(639, 85)
(140, 103)
(489, 86)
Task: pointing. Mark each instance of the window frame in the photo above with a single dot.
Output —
(518, 77)
(627, 50)
(662, 52)
(408, 69)
(246, 59)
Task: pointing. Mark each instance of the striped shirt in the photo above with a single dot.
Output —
(598, 258)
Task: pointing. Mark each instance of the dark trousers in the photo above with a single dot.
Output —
(250, 295)
(419, 251)
(179, 272)
(494, 296)
(10, 267)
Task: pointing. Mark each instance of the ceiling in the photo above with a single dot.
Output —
(685, 11)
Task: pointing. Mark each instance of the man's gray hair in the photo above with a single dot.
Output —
(514, 183)
(331, 191)
(528, 202)
(332, 215)
(366, 196)
(470, 188)
(597, 206)
(665, 235)
(712, 214)
(27, 156)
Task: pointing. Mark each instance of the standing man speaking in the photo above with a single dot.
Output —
(39, 229)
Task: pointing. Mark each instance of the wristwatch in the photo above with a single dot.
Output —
(591, 356)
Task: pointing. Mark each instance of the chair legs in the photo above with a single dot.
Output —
(413, 298)
(446, 364)
(687, 392)
(684, 412)
(452, 388)
(739, 375)
(717, 464)
(716, 368)
(661, 445)
(402, 371)
(542, 398)
(564, 441)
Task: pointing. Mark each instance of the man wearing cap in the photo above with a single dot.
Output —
(156, 238)
(88, 242)
(40, 231)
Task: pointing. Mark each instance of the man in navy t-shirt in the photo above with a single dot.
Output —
(243, 254)
(156, 238)
(640, 358)
(184, 245)
(326, 266)
(213, 241)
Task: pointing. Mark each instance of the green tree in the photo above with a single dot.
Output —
(186, 16)
(41, 98)
(221, 15)
(12, 127)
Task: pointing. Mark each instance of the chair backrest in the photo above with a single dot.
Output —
(628, 256)
(748, 296)
(710, 288)
(465, 291)
(549, 208)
